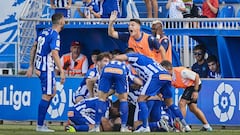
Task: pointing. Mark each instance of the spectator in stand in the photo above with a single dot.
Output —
(75, 63)
(201, 66)
(176, 8)
(61, 4)
(214, 69)
(149, 5)
(94, 55)
(188, 5)
(210, 9)
(108, 6)
(90, 9)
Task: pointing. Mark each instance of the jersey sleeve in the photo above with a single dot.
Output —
(153, 43)
(55, 42)
(90, 73)
(165, 43)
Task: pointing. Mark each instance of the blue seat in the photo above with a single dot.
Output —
(229, 1)
(227, 11)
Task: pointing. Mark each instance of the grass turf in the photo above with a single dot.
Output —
(19, 129)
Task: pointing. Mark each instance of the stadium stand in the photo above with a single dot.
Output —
(85, 30)
(227, 11)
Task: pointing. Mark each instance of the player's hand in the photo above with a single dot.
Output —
(29, 72)
(68, 7)
(90, 8)
(195, 95)
(113, 16)
(62, 76)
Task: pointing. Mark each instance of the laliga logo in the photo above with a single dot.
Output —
(58, 102)
(224, 102)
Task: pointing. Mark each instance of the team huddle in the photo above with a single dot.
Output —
(140, 86)
(124, 92)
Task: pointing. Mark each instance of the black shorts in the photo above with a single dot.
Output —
(187, 94)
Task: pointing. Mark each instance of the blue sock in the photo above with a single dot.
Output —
(124, 112)
(143, 113)
(42, 110)
(150, 104)
(153, 126)
(101, 108)
(81, 127)
(176, 111)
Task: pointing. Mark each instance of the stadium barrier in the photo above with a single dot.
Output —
(19, 98)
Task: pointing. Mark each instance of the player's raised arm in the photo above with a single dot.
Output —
(111, 31)
(122, 57)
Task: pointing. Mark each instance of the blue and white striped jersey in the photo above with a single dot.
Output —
(47, 41)
(82, 89)
(87, 109)
(145, 66)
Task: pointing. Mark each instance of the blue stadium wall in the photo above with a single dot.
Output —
(219, 100)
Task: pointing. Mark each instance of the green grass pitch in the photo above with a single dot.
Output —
(24, 129)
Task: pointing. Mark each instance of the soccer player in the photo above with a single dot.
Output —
(139, 41)
(114, 73)
(191, 82)
(156, 80)
(157, 31)
(82, 115)
(44, 54)
(88, 86)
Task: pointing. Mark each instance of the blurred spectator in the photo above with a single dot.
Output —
(61, 4)
(188, 5)
(107, 6)
(210, 8)
(176, 8)
(191, 9)
(74, 63)
(214, 68)
(201, 66)
(90, 9)
(94, 55)
(152, 5)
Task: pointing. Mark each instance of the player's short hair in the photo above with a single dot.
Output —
(104, 55)
(212, 58)
(56, 17)
(116, 52)
(200, 47)
(136, 20)
(128, 50)
(157, 22)
(166, 64)
(96, 52)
